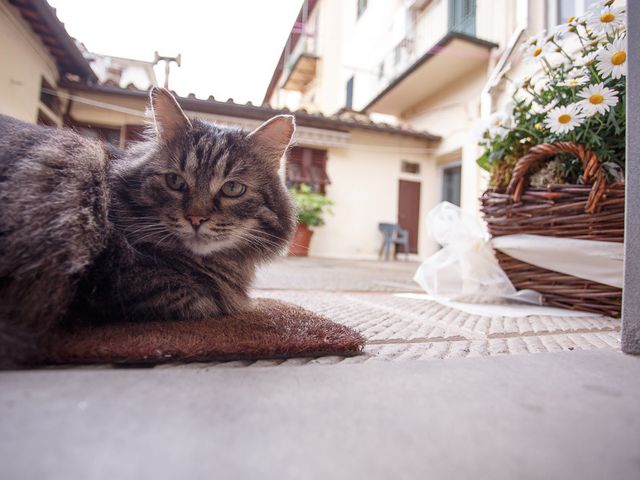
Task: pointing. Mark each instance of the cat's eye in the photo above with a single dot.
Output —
(233, 189)
(175, 182)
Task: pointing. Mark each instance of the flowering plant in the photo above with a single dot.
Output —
(577, 94)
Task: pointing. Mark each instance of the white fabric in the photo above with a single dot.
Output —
(590, 259)
(504, 309)
(466, 265)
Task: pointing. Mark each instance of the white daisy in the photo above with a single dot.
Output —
(612, 60)
(540, 108)
(536, 47)
(540, 83)
(523, 97)
(557, 60)
(564, 30)
(606, 20)
(573, 82)
(564, 119)
(585, 60)
(597, 99)
(479, 130)
(578, 72)
(499, 123)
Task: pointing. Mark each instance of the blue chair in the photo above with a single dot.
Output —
(393, 234)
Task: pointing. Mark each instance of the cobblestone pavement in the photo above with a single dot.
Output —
(363, 295)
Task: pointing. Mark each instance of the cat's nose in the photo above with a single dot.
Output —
(196, 220)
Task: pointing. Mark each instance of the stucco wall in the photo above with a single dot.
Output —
(452, 114)
(364, 176)
(23, 62)
(364, 187)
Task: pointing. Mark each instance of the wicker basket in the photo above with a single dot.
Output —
(593, 211)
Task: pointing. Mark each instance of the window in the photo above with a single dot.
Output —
(362, 6)
(560, 10)
(381, 70)
(451, 178)
(107, 134)
(44, 119)
(397, 54)
(409, 167)
(307, 165)
(349, 101)
(462, 16)
(48, 96)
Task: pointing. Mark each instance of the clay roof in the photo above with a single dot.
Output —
(344, 120)
(44, 22)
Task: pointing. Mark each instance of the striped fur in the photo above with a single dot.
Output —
(53, 223)
(89, 234)
(156, 266)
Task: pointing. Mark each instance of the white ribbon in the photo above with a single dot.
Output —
(589, 259)
(466, 265)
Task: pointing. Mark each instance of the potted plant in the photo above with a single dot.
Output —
(556, 155)
(311, 208)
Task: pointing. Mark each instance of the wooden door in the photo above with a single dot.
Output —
(409, 211)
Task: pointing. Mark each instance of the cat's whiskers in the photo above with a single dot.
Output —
(255, 240)
(149, 234)
(159, 242)
(262, 232)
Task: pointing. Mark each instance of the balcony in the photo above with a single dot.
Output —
(301, 64)
(414, 78)
(439, 48)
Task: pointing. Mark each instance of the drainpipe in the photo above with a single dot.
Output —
(486, 98)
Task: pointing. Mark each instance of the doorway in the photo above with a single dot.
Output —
(409, 211)
(451, 181)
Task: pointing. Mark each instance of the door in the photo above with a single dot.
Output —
(451, 178)
(409, 211)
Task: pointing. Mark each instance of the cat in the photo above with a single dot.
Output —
(172, 228)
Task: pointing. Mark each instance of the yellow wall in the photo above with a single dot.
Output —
(23, 62)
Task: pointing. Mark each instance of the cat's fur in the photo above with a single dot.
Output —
(87, 234)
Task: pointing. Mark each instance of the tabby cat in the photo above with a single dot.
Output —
(173, 228)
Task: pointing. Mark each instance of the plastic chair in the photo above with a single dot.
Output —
(393, 234)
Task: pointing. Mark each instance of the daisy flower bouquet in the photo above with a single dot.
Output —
(577, 94)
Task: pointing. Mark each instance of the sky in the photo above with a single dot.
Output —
(229, 47)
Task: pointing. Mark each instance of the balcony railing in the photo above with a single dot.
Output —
(300, 64)
(457, 16)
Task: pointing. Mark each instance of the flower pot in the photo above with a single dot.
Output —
(299, 246)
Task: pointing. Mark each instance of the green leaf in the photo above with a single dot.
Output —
(483, 161)
(310, 206)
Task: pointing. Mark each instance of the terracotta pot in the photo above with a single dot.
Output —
(299, 246)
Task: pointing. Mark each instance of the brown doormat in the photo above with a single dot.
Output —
(274, 329)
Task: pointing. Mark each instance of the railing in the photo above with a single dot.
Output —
(454, 16)
(306, 44)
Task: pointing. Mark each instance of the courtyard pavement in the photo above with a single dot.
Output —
(437, 394)
(365, 296)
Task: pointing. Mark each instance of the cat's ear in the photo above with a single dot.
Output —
(168, 117)
(273, 137)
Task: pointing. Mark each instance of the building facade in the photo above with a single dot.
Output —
(51, 79)
(431, 65)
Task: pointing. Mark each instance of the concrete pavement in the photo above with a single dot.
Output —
(481, 406)
(568, 415)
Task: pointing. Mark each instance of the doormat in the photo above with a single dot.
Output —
(272, 330)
